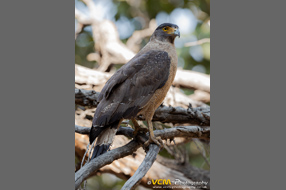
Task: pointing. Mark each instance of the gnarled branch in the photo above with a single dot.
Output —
(183, 78)
(165, 114)
(170, 133)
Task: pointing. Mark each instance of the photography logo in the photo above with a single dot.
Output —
(177, 183)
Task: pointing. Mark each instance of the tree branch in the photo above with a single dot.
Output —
(86, 97)
(174, 97)
(84, 75)
(104, 159)
(192, 80)
(149, 159)
(200, 115)
(82, 130)
(183, 78)
(169, 133)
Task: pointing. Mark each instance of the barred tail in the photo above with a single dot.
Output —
(104, 137)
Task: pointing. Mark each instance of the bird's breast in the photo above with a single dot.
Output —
(160, 94)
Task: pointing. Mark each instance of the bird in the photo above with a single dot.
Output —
(137, 88)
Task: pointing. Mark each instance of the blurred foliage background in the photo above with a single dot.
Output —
(193, 19)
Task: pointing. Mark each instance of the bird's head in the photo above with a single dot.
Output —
(166, 32)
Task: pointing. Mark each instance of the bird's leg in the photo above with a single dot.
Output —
(137, 127)
(152, 138)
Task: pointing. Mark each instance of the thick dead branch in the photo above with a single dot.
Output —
(86, 76)
(174, 97)
(170, 133)
(200, 115)
(143, 168)
(126, 131)
(82, 130)
(192, 80)
(184, 78)
(176, 115)
(184, 131)
(89, 98)
(86, 97)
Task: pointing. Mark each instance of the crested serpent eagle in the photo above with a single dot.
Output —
(138, 87)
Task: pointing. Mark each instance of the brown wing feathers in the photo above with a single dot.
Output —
(128, 90)
(132, 87)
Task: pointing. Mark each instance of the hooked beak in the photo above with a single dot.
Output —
(177, 32)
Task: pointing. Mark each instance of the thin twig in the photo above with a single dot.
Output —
(83, 158)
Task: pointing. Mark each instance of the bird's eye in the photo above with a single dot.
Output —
(165, 28)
